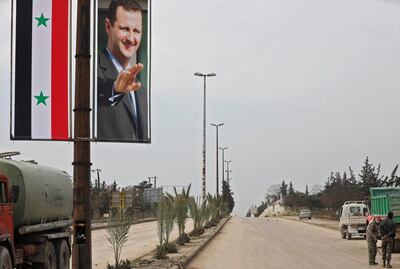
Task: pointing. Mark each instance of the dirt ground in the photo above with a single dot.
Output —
(142, 239)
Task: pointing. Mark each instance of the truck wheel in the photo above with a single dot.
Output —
(63, 255)
(348, 236)
(50, 260)
(5, 259)
(342, 233)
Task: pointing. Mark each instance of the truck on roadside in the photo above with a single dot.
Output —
(353, 219)
(384, 200)
(35, 216)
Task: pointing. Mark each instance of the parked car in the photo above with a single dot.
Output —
(305, 214)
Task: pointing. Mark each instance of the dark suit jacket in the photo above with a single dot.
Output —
(115, 121)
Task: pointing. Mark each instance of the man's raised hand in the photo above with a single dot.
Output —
(126, 80)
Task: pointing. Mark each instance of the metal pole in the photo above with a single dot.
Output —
(223, 165)
(217, 159)
(223, 162)
(227, 171)
(217, 192)
(98, 178)
(155, 182)
(82, 239)
(203, 180)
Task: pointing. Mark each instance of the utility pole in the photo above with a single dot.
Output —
(203, 178)
(227, 172)
(82, 238)
(97, 170)
(217, 164)
(223, 162)
(155, 182)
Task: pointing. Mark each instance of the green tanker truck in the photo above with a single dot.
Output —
(384, 200)
(35, 216)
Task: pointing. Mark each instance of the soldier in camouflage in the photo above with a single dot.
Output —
(372, 238)
(388, 232)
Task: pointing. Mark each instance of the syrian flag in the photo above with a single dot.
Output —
(41, 91)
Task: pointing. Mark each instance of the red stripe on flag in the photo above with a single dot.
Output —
(59, 70)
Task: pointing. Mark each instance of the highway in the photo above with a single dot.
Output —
(261, 243)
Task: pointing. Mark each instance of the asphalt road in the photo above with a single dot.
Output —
(281, 243)
(143, 238)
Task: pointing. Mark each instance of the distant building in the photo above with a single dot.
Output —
(275, 209)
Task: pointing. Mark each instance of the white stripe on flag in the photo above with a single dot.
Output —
(41, 68)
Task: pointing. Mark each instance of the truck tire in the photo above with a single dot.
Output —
(63, 255)
(342, 233)
(5, 259)
(50, 260)
(348, 236)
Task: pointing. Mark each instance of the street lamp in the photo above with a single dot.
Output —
(223, 162)
(228, 171)
(203, 180)
(216, 126)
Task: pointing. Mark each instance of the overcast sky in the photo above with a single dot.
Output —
(304, 87)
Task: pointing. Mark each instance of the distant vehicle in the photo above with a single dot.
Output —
(384, 200)
(353, 219)
(305, 214)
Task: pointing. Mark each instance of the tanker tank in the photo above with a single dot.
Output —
(40, 194)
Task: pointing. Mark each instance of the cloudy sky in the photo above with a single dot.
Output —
(304, 87)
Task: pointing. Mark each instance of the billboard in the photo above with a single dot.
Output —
(40, 90)
(122, 73)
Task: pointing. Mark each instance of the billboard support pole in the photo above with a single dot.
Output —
(82, 245)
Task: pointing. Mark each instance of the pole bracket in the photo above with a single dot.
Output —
(82, 163)
(83, 55)
(82, 109)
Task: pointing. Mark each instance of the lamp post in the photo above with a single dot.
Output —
(217, 180)
(223, 162)
(203, 179)
(228, 171)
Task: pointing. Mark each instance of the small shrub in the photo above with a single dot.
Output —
(197, 232)
(124, 264)
(184, 238)
(160, 253)
(170, 248)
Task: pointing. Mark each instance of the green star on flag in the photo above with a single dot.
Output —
(41, 99)
(42, 20)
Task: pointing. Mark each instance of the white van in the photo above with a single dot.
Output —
(353, 219)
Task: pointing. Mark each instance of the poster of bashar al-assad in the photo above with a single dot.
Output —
(122, 88)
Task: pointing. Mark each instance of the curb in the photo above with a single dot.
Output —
(182, 262)
(99, 226)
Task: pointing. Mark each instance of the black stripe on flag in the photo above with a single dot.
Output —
(23, 72)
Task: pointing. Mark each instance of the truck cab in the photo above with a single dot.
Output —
(6, 224)
(353, 217)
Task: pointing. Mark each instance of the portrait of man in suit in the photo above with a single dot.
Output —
(122, 105)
